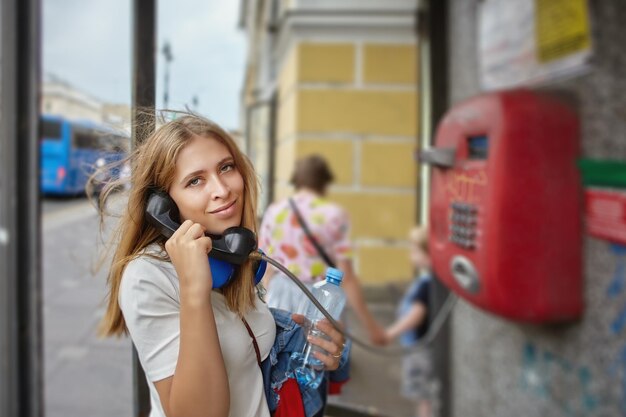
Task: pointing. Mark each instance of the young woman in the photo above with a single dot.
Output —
(285, 240)
(192, 340)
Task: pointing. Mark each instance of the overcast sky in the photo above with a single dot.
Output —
(88, 44)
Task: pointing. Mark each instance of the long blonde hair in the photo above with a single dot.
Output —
(153, 165)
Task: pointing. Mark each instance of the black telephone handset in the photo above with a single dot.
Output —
(234, 245)
(231, 248)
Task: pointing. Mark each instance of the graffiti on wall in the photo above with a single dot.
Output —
(568, 385)
(558, 380)
(616, 288)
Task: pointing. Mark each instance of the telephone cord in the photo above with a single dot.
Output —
(422, 343)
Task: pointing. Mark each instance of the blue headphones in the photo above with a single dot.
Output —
(223, 271)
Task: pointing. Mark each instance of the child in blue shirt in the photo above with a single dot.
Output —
(412, 323)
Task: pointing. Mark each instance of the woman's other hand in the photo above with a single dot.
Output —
(331, 349)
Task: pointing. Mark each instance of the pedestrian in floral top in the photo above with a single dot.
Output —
(283, 238)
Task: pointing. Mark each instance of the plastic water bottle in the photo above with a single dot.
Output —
(310, 370)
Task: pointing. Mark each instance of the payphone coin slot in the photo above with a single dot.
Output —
(465, 273)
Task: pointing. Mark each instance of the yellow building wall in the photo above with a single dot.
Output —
(381, 264)
(388, 164)
(383, 215)
(393, 64)
(332, 63)
(285, 151)
(356, 104)
(287, 99)
(357, 111)
(288, 76)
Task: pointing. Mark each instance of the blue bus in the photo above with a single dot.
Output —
(69, 151)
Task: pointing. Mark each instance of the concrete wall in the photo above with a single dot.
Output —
(500, 368)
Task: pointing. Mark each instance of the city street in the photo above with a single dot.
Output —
(88, 376)
(84, 375)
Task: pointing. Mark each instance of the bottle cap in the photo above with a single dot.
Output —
(334, 275)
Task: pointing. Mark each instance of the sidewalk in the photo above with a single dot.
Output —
(374, 387)
(84, 375)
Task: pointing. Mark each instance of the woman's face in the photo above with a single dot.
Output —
(207, 188)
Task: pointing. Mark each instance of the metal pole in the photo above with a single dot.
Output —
(143, 124)
(144, 70)
(21, 353)
(425, 106)
(433, 39)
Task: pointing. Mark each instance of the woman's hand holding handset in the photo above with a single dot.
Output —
(200, 381)
(188, 249)
(333, 347)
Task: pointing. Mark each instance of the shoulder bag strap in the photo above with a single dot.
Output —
(308, 233)
(254, 343)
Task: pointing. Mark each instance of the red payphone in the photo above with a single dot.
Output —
(505, 222)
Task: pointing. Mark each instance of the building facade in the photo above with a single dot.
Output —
(61, 98)
(339, 78)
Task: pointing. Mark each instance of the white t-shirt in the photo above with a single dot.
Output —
(150, 301)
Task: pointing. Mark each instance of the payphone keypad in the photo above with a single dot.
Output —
(463, 224)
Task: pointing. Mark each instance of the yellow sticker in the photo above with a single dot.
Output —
(562, 28)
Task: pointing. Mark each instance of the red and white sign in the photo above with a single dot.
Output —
(606, 214)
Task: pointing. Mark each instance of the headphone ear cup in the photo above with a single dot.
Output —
(221, 271)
